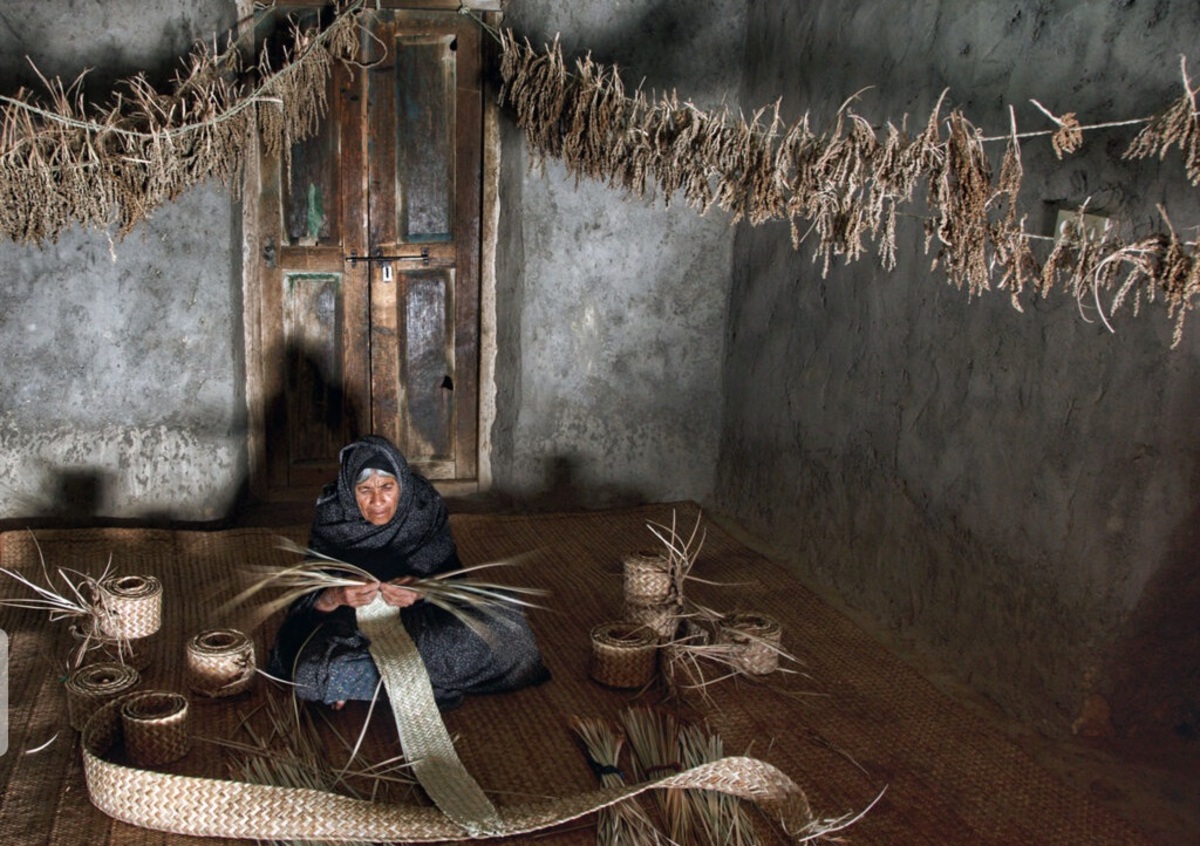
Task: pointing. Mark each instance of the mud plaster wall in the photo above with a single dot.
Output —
(1017, 492)
(123, 387)
(611, 311)
(122, 390)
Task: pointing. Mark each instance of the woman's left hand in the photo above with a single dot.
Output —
(396, 595)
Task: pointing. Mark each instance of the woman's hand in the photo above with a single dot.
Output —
(354, 596)
(396, 595)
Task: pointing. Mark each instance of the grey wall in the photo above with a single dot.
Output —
(611, 310)
(1017, 492)
(121, 393)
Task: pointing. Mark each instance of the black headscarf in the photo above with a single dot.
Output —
(416, 541)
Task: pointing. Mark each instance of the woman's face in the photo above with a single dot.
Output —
(377, 498)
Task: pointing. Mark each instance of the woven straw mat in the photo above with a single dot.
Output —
(948, 778)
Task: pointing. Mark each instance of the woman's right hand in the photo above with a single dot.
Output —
(353, 596)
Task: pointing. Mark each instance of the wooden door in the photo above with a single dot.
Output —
(370, 261)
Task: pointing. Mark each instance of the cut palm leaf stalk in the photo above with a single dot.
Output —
(623, 824)
(720, 817)
(654, 740)
(462, 597)
(681, 554)
(80, 599)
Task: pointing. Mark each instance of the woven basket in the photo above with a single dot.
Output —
(219, 663)
(662, 618)
(756, 640)
(647, 578)
(90, 687)
(132, 606)
(623, 654)
(155, 725)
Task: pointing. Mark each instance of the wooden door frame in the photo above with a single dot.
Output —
(254, 328)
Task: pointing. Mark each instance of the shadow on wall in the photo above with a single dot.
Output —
(1155, 671)
(563, 489)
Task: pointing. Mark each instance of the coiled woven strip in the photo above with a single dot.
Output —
(132, 606)
(623, 654)
(207, 807)
(647, 577)
(219, 662)
(423, 737)
(91, 686)
(757, 638)
(662, 617)
(155, 726)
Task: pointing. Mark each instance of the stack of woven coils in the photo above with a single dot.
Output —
(649, 593)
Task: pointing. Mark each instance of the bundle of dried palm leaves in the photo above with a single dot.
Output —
(846, 184)
(623, 824)
(64, 160)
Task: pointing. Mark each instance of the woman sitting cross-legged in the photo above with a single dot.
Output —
(385, 518)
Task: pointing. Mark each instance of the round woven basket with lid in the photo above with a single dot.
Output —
(623, 654)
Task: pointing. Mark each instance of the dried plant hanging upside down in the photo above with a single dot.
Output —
(465, 598)
(82, 600)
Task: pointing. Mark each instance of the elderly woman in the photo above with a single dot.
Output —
(387, 519)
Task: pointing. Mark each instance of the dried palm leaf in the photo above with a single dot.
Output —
(623, 824)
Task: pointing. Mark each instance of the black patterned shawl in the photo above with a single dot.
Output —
(416, 541)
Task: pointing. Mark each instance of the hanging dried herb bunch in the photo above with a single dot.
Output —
(64, 160)
(843, 187)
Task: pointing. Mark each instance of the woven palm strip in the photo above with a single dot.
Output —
(757, 638)
(661, 617)
(155, 726)
(423, 736)
(219, 662)
(647, 577)
(91, 686)
(208, 807)
(133, 606)
(623, 654)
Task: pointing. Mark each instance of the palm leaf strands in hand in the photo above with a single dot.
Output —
(450, 591)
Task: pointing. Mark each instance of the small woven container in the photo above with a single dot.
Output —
(132, 606)
(219, 663)
(647, 578)
(155, 725)
(756, 639)
(623, 654)
(663, 618)
(91, 686)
